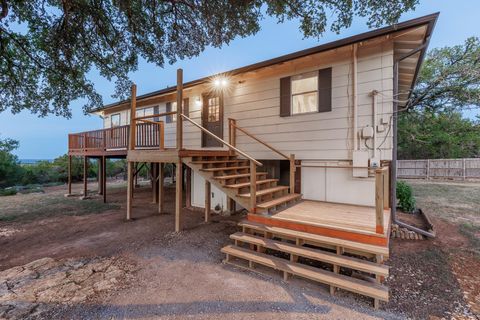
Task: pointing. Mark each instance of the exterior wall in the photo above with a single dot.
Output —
(198, 194)
(315, 138)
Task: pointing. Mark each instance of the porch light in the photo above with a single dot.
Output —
(220, 83)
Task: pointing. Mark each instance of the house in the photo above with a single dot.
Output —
(305, 142)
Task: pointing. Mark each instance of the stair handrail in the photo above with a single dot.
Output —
(233, 123)
(258, 163)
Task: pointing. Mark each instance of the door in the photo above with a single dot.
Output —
(212, 119)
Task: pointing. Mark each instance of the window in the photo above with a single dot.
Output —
(304, 93)
(115, 119)
(213, 109)
(174, 108)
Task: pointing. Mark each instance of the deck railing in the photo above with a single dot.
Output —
(148, 136)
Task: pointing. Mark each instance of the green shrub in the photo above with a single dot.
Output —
(8, 192)
(406, 200)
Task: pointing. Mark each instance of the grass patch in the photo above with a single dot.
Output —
(472, 232)
(455, 202)
(46, 206)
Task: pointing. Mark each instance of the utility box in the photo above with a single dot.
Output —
(360, 159)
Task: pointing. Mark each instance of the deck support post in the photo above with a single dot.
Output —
(100, 175)
(188, 187)
(129, 190)
(178, 195)
(104, 178)
(131, 146)
(230, 205)
(161, 189)
(69, 175)
(153, 178)
(179, 109)
(292, 174)
(208, 196)
(85, 177)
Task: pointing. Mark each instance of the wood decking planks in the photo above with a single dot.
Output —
(370, 289)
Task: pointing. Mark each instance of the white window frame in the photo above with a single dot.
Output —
(119, 120)
(292, 78)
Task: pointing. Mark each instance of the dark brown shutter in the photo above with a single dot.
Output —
(169, 109)
(285, 97)
(325, 90)
(186, 107)
(155, 111)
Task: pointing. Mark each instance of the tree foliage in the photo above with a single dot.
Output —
(424, 134)
(48, 48)
(449, 78)
(447, 85)
(9, 167)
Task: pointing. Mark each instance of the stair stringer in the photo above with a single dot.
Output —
(231, 193)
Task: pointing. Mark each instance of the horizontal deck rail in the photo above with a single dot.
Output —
(148, 136)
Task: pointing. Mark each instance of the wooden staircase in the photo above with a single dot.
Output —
(232, 175)
(314, 257)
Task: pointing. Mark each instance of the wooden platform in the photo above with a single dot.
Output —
(343, 221)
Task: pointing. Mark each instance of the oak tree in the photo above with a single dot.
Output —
(48, 48)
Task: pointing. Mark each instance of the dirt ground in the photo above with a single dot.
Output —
(152, 272)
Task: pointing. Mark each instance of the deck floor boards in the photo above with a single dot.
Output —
(346, 217)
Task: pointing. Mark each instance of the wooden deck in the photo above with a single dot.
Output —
(343, 221)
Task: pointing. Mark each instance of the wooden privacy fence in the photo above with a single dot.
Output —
(461, 169)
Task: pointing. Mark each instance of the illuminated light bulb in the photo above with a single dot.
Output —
(224, 82)
(217, 82)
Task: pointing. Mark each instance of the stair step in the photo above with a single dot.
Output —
(315, 238)
(224, 168)
(265, 191)
(216, 161)
(241, 175)
(318, 255)
(370, 289)
(275, 202)
(247, 184)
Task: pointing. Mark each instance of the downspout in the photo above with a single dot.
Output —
(393, 167)
(355, 100)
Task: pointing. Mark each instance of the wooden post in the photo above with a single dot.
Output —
(161, 194)
(253, 187)
(379, 205)
(230, 205)
(129, 190)
(161, 135)
(69, 175)
(208, 196)
(386, 188)
(188, 188)
(131, 146)
(85, 177)
(292, 174)
(100, 175)
(178, 195)
(232, 134)
(104, 178)
(133, 114)
(154, 176)
(179, 109)
(428, 169)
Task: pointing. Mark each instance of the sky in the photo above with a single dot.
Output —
(46, 138)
